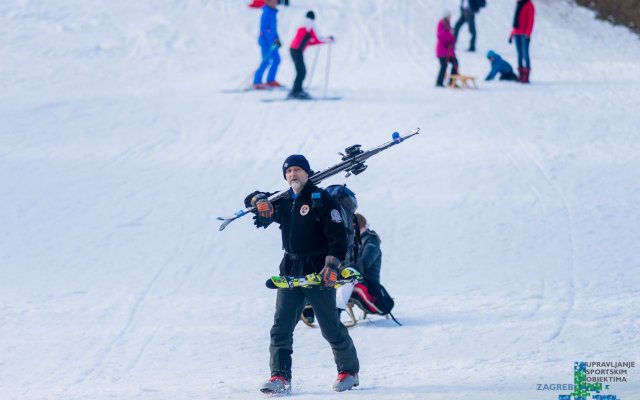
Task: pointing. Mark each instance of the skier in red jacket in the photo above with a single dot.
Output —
(521, 33)
(305, 36)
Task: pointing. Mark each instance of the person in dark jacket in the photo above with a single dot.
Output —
(315, 241)
(468, 10)
(522, 28)
(500, 66)
(368, 263)
(370, 258)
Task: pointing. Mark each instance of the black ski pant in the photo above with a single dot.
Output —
(289, 305)
(508, 76)
(467, 15)
(443, 68)
(301, 70)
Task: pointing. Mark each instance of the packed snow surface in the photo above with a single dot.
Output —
(509, 226)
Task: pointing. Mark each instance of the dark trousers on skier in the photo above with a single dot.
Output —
(444, 61)
(467, 15)
(301, 70)
(289, 305)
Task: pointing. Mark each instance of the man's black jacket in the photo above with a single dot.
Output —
(309, 234)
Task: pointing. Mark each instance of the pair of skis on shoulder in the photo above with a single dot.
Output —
(353, 163)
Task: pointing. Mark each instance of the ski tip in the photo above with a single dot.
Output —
(269, 284)
(225, 223)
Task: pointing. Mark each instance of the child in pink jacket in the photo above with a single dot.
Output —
(445, 48)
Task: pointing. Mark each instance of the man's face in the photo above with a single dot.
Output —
(271, 3)
(296, 178)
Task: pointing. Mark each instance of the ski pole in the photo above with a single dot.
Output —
(326, 75)
(313, 67)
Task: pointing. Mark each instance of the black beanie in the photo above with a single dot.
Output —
(296, 160)
(311, 15)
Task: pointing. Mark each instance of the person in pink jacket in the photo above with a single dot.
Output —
(445, 48)
(521, 33)
(305, 36)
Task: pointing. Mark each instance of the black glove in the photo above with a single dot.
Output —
(329, 273)
(259, 223)
(250, 196)
(264, 209)
(510, 39)
(277, 43)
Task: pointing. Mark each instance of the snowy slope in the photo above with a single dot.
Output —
(509, 226)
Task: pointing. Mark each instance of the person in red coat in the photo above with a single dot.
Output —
(445, 48)
(305, 36)
(521, 34)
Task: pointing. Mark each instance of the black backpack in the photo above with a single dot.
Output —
(476, 5)
(348, 204)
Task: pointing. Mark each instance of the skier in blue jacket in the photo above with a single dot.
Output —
(269, 42)
(500, 66)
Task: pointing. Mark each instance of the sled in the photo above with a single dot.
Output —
(349, 324)
(466, 81)
(353, 320)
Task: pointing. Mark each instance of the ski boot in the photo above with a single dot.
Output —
(276, 385)
(301, 95)
(345, 381)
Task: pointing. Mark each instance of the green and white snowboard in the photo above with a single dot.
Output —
(347, 275)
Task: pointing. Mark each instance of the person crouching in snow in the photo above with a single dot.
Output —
(500, 66)
(445, 48)
(305, 36)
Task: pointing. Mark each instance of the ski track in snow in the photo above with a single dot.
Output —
(508, 225)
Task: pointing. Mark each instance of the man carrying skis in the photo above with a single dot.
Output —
(269, 42)
(314, 241)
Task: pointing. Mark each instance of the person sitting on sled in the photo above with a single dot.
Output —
(368, 263)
